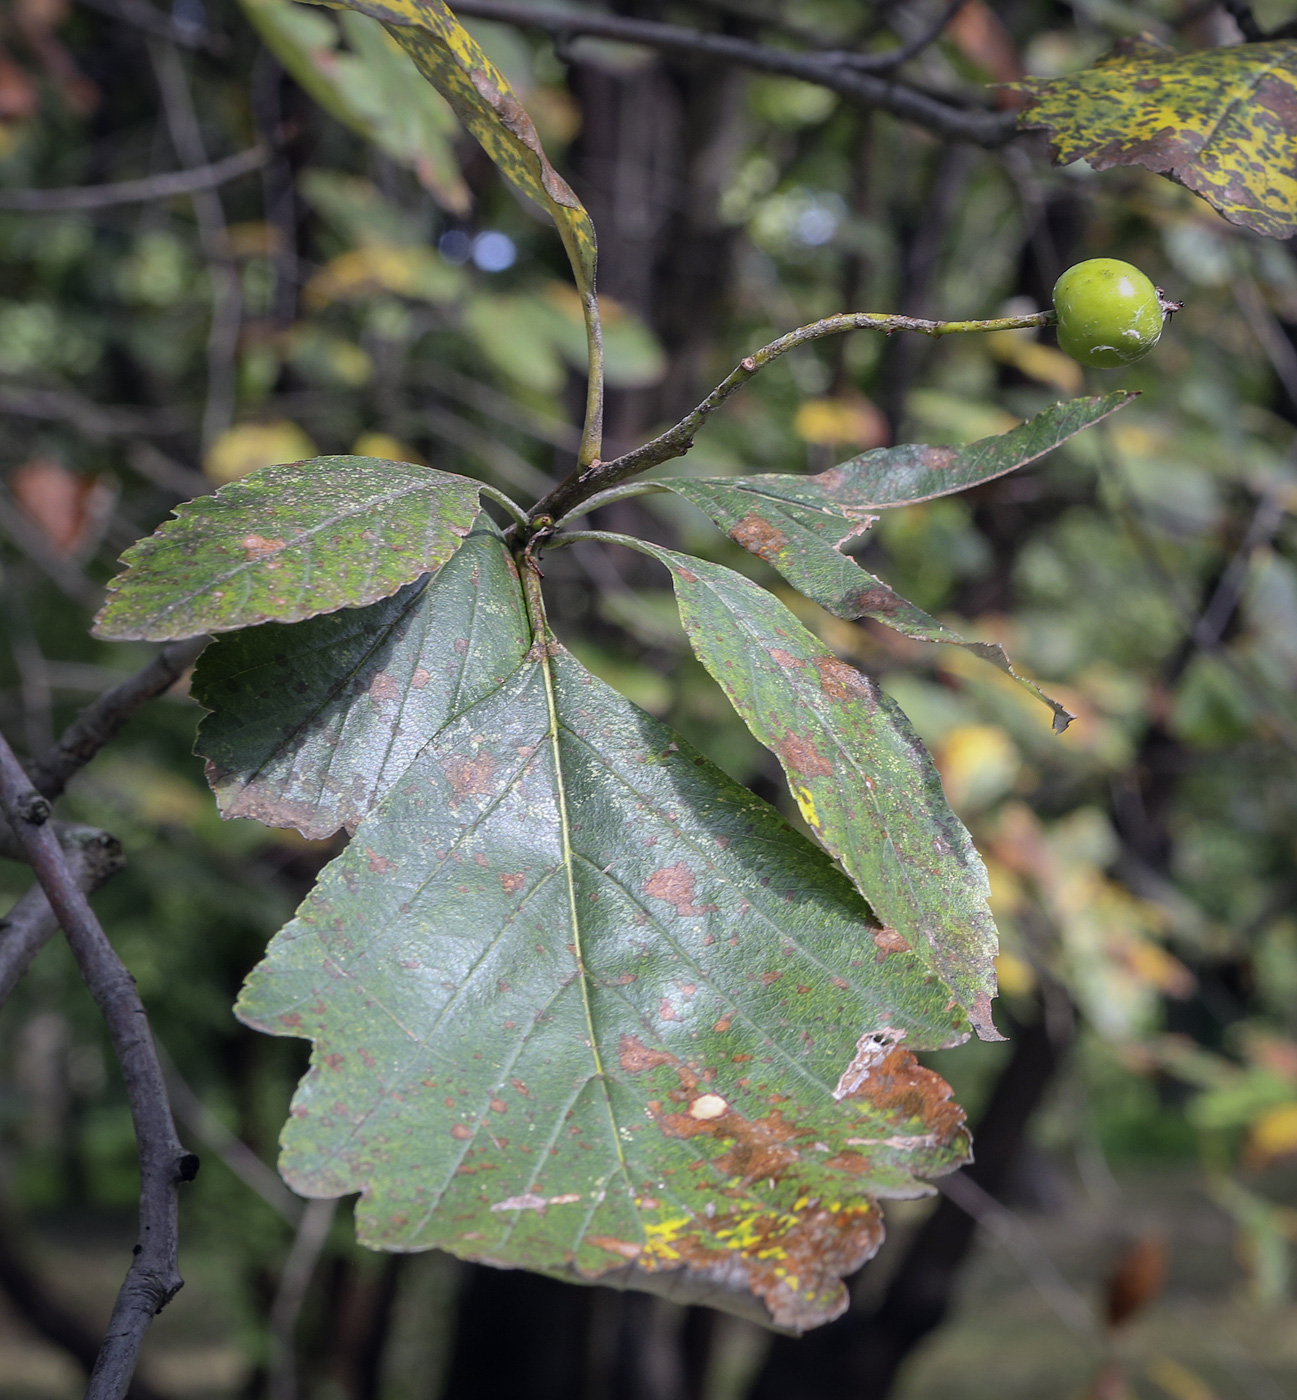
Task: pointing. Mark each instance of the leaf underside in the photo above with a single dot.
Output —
(798, 524)
(314, 721)
(1222, 122)
(286, 543)
(583, 1005)
(861, 776)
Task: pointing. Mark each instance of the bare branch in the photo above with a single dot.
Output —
(144, 16)
(232, 1150)
(153, 1278)
(58, 568)
(92, 419)
(312, 1234)
(676, 441)
(45, 1312)
(837, 71)
(100, 722)
(175, 182)
(227, 288)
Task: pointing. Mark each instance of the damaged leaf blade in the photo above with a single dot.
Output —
(862, 779)
(313, 721)
(582, 1005)
(798, 524)
(287, 543)
(1222, 122)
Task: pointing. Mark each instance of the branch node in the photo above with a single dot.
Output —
(187, 1165)
(32, 808)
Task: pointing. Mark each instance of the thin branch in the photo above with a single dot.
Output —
(227, 290)
(101, 722)
(92, 855)
(676, 441)
(312, 1234)
(829, 70)
(175, 182)
(58, 568)
(232, 1150)
(893, 58)
(45, 1313)
(1221, 607)
(1017, 1238)
(144, 16)
(92, 419)
(153, 1278)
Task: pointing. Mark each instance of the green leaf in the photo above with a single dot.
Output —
(582, 1005)
(861, 777)
(1221, 122)
(314, 721)
(375, 90)
(453, 62)
(286, 543)
(798, 524)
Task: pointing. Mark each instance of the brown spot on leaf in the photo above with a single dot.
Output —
(842, 682)
(420, 678)
(512, 883)
(797, 752)
(461, 1131)
(758, 536)
(676, 885)
(785, 658)
(470, 776)
(667, 1012)
(258, 547)
(380, 865)
(635, 1056)
(887, 940)
(876, 600)
(384, 687)
(623, 1248)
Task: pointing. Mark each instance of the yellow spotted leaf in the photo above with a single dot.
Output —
(1221, 122)
(448, 56)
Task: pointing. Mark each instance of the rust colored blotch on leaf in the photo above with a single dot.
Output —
(676, 885)
(758, 536)
(384, 687)
(843, 682)
(799, 754)
(635, 1056)
(511, 884)
(470, 777)
(887, 940)
(257, 546)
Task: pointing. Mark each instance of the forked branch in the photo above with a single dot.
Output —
(676, 441)
(848, 75)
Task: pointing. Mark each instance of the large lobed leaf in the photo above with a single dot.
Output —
(1222, 122)
(798, 524)
(581, 1004)
(861, 776)
(314, 721)
(289, 542)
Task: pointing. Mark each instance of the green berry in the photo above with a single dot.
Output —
(1109, 313)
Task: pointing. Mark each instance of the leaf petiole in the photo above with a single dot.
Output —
(509, 504)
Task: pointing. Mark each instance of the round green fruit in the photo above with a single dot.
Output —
(1109, 313)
